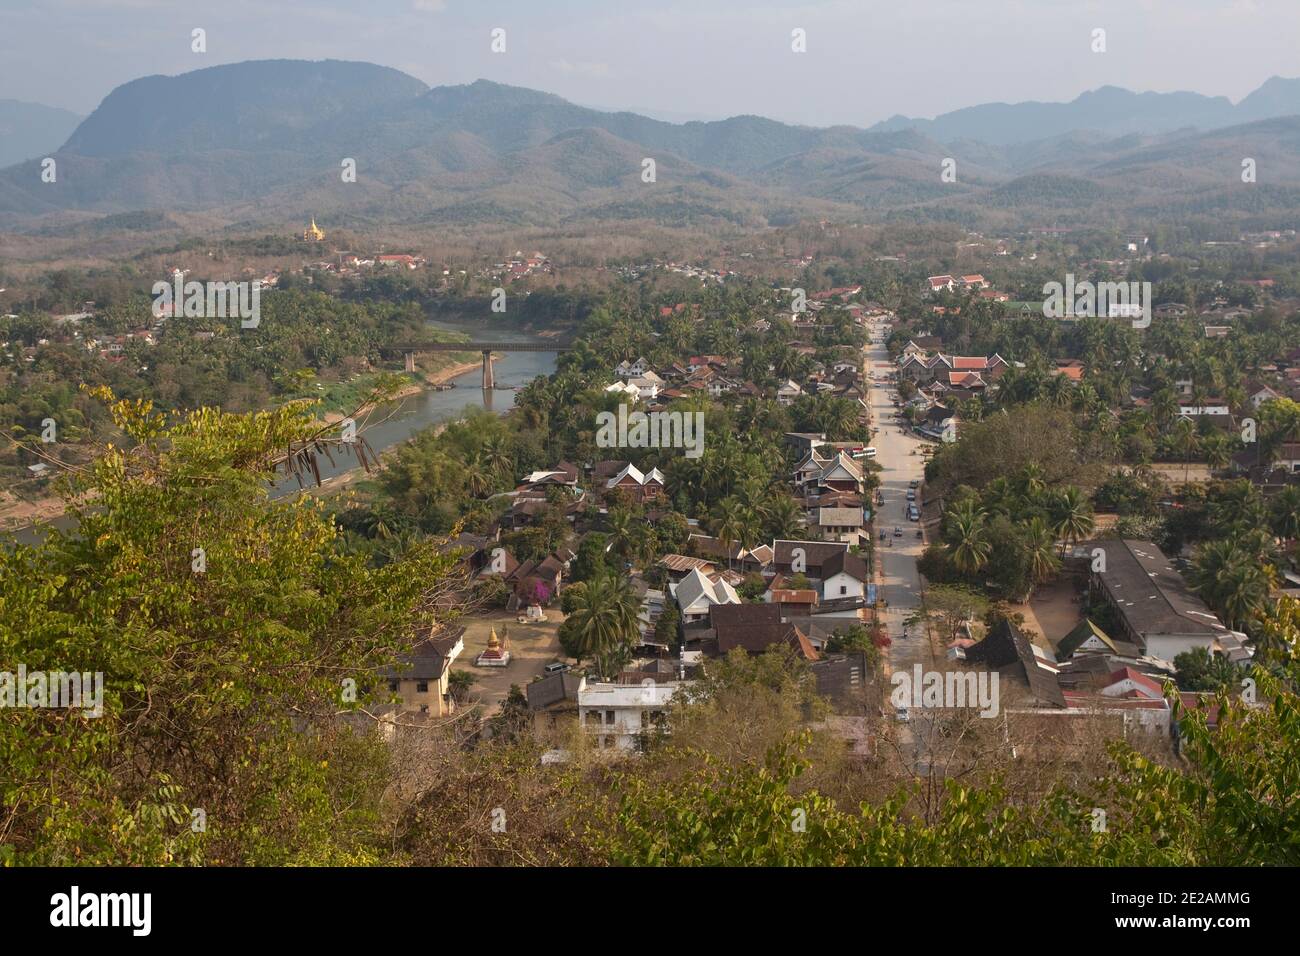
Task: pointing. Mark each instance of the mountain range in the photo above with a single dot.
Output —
(30, 130)
(264, 141)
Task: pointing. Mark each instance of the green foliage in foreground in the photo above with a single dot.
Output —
(220, 684)
(222, 694)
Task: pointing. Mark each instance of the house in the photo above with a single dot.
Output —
(679, 565)
(839, 524)
(943, 283)
(555, 694)
(804, 557)
(1009, 652)
(1156, 609)
(1126, 682)
(618, 715)
(647, 384)
(844, 575)
(537, 582)
(940, 424)
(754, 628)
(564, 475)
(800, 602)
(805, 442)
(1069, 369)
(1286, 459)
(402, 261)
(640, 487)
(1257, 394)
(819, 474)
(626, 369)
(735, 555)
(421, 678)
(921, 369)
(788, 392)
(624, 388)
(1088, 638)
(697, 592)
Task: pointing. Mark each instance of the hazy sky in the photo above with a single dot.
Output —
(865, 60)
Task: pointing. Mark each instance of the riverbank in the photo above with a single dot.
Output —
(19, 513)
(433, 379)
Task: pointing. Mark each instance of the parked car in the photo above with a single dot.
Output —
(913, 514)
(911, 495)
(914, 483)
(901, 715)
(557, 667)
(898, 532)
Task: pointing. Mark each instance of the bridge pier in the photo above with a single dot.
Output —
(410, 361)
(488, 380)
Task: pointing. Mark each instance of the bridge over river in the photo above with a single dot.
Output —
(410, 350)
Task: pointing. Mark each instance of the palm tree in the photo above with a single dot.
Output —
(968, 544)
(1164, 406)
(1238, 508)
(620, 524)
(1071, 515)
(1030, 482)
(1186, 442)
(1231, 581)
(780, 515)
(1040, 550)
(477, 476)
(604, 620)
(1284, 513)
(1217, 450)
(732, 524)
(496, 452)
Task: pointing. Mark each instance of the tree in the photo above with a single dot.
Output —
(231, 629)
(1231, 581)
(968, 548)
(1040, 550)
(590, 560)
(1071, 515)
(666, 626)
(1199, 670)
(1284, 513)
(603, 625)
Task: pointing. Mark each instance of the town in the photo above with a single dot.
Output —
(485, 460)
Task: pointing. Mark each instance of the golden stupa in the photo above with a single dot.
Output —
(313, 233)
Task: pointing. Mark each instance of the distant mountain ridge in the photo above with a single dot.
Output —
(30, 130)
(263, 142)
(1109, 109)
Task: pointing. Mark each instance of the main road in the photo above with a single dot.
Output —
(898, 452)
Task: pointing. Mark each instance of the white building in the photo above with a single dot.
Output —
(617, 714)
(697, 592)
(624, 388)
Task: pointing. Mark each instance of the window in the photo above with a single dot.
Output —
(844, 589)
(392, 686)
(609, 717)
(422, 686)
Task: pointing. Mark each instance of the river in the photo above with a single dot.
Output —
(417, 412)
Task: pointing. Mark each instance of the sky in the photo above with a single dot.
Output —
(704, 59)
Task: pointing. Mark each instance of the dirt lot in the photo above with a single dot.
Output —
(1052, 612)
(532, 647)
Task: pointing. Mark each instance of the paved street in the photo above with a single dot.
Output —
(900, 583)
